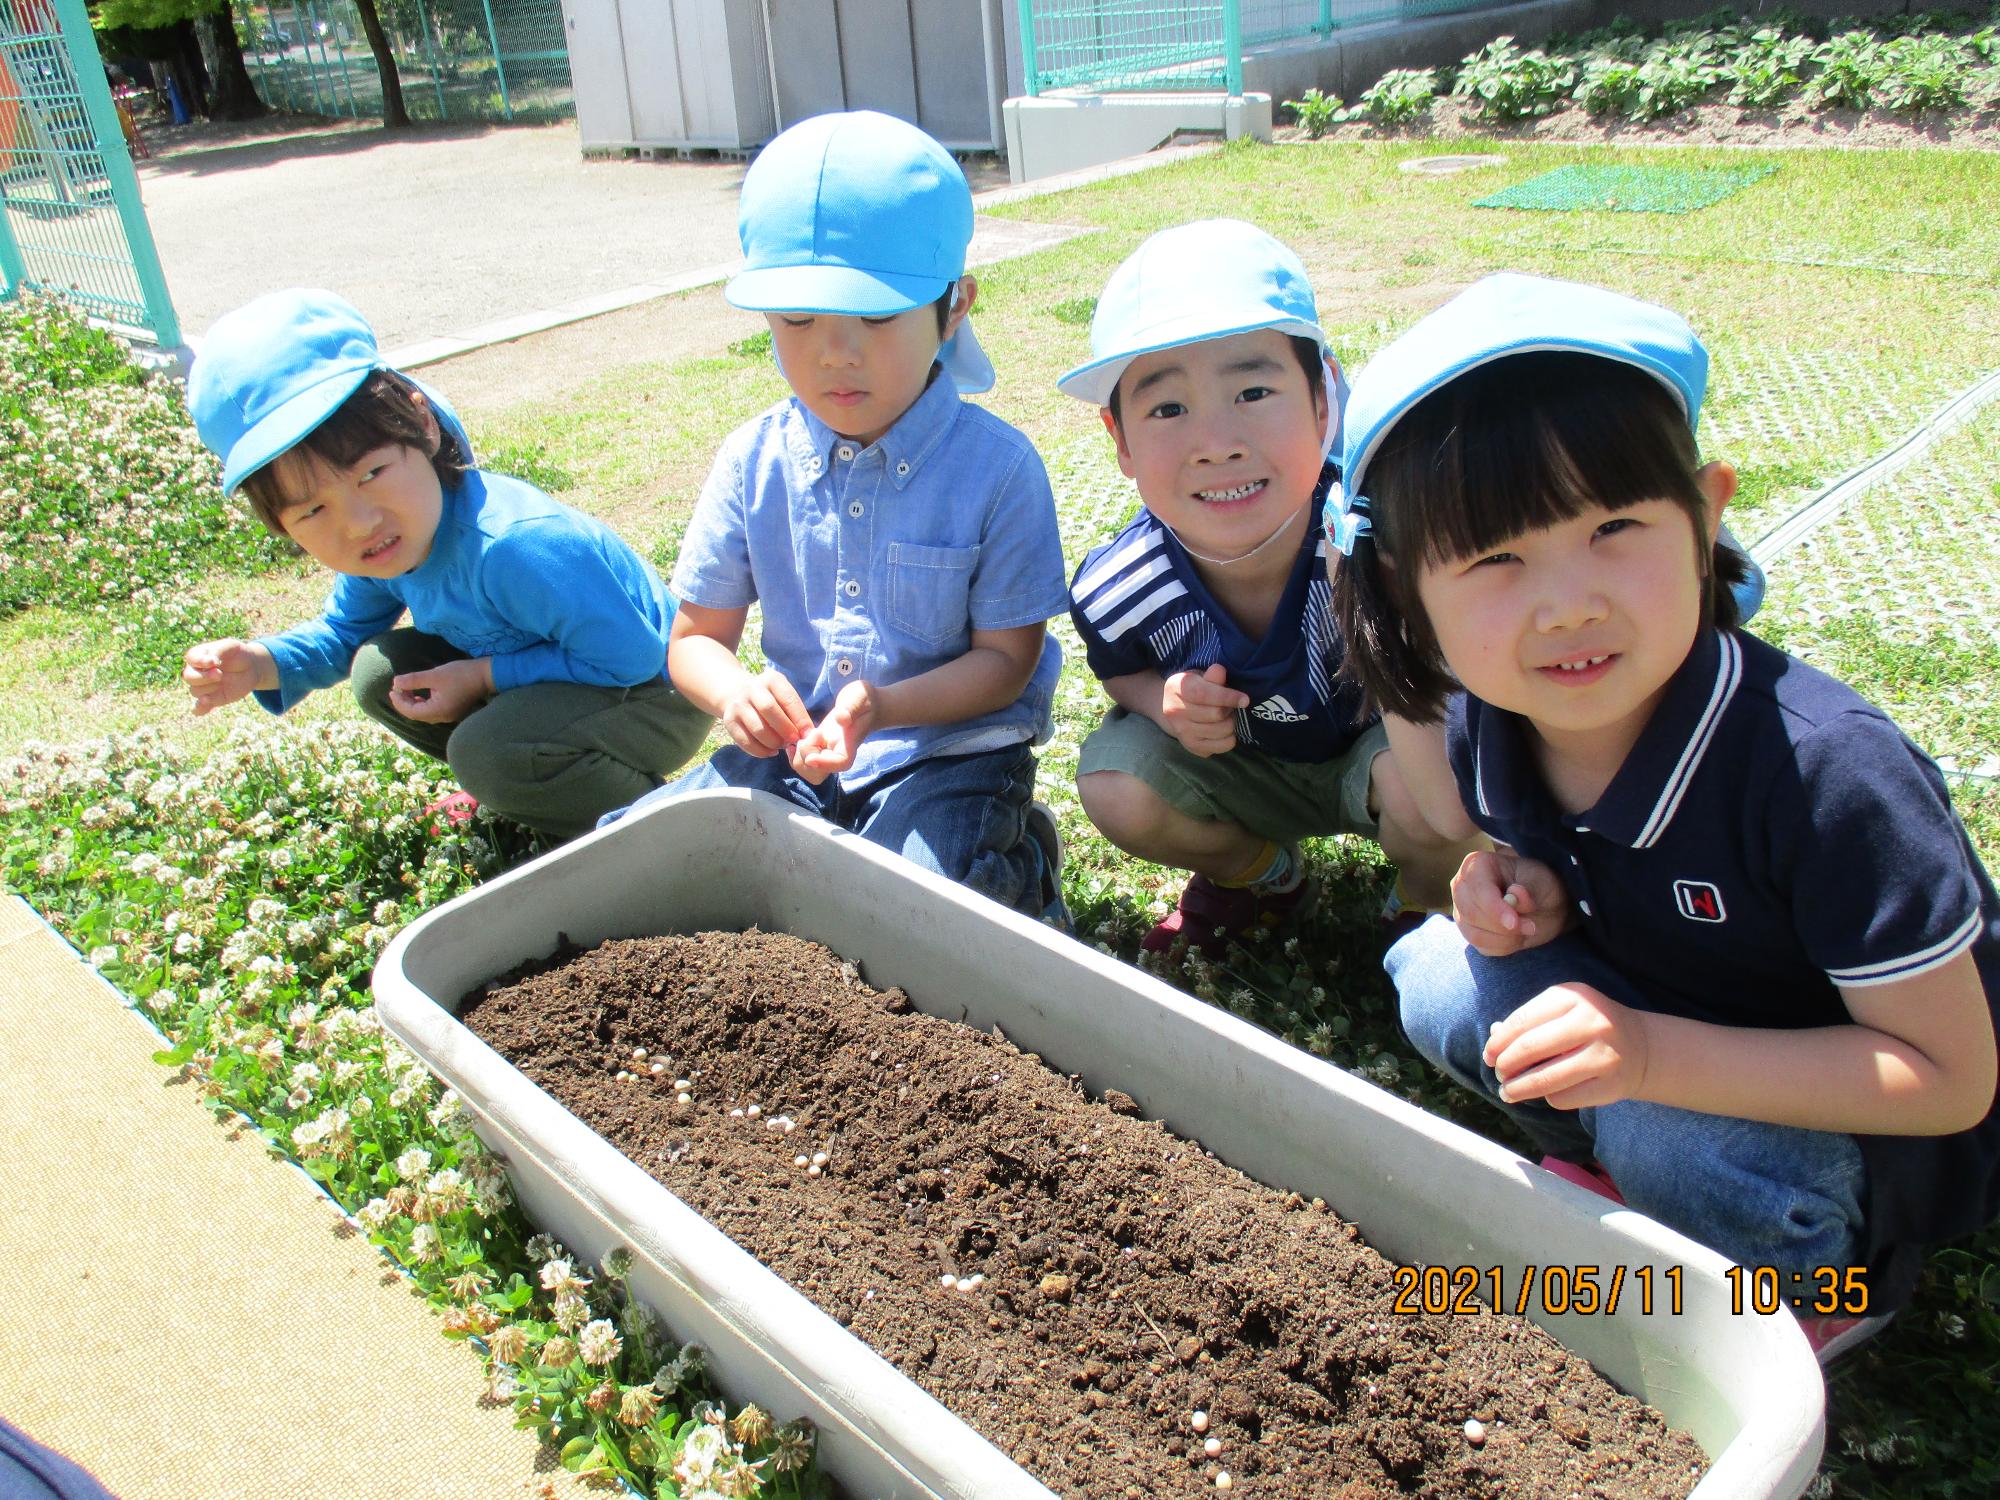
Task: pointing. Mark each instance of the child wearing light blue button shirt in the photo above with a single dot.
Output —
(901, 542)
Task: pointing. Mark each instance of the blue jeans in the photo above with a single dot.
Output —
(1763, 1195)
(961, 816)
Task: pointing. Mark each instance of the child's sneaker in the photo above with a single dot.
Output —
(1832, 1337)
(1587, 1175)
(1208, 912)
(1047, 839)
(455, 809)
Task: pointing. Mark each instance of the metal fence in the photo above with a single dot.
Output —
(71, 222)
(1111, 45)
(455, 59)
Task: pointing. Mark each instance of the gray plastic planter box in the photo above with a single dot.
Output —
(1745, 1387)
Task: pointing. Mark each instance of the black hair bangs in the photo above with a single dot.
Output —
(1523, 444)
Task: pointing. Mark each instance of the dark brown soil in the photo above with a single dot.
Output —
(1130, 1279)
(1790, 127)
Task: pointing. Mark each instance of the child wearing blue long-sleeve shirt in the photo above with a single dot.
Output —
(534, 664)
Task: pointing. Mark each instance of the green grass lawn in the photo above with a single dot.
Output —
(1843, 298)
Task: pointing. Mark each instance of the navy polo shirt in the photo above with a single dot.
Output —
(1140, 605)
(1771, 837)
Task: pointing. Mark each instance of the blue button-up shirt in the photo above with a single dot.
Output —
(877, 563)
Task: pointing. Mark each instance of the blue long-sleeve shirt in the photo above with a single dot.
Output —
(546, 591)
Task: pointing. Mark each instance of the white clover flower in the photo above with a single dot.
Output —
(447, 1191)
(636, 1321)
(448, 1115)
(413, 1163)
(264, 910)
(100, 957)
(560, 1277)
(305, 1075)
(599, 1343)
(386, 912)
(374, 1213)
(297, 1099)
(185, 943)
(570, 1312)
(346, 1071)
(426, 1244)
(543, 1247)
(705, 1445)
(161, 1001)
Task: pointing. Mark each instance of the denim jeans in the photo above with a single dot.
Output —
(961, 816)
(1761, 1194)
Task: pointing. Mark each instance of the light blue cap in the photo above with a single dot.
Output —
(857, 214)
(1205, 280)
(271, 371)
(1502, 315)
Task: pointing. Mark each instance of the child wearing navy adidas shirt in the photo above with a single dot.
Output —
(1207, 617)
(1733, 956)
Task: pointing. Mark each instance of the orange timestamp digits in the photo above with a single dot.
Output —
(1463, 1291)
(1819, 1291)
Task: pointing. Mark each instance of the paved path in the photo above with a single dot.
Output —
(435, 232)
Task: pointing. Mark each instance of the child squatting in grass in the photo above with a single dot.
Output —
(534, 663)
(1732, 956)
(1207, 617)
(901, 541)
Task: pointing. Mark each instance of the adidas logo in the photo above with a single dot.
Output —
(1276, 709)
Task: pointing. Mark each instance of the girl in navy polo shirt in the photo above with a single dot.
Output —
(1734, 957)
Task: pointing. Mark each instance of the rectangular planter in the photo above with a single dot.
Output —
(1422, 1189)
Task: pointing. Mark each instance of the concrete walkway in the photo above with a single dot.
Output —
(193, 1321)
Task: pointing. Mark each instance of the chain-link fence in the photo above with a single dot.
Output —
(456, 59)
(71, 221)
(1111, 45)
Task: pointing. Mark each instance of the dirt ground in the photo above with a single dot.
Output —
(1072, 1280)
(1794, 128)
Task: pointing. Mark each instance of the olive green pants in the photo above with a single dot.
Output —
(555, 756)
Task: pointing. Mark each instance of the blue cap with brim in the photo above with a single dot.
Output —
(1207, 280)
(269, 373)
(857, 214)
(272, 371)
(1503, 315)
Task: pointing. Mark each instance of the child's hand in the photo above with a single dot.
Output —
(831, 745)
(1503, 903)
(442, 695)
(220, 672)
(1571, 1046)
(1200, 711)
(765, 715)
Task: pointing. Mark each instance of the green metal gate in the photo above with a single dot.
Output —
(71, 222)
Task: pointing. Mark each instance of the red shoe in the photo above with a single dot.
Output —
(1832, 1337)
(456, 809)
(1590, 1177)
(1208, 912)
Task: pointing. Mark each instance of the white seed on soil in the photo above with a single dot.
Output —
(638, 1054)
(819, 1158)
(685, 1097)
(1212, 1447)
(736, 1114)
(1222, 1479)
(656, 1069)
(948, 1281)
(623, 1076)
(683, 1083)
(1475, 1432)
(970, 1283)
(1199, 1421)
(814, 1171)
(799, 1161)
(754, 1110)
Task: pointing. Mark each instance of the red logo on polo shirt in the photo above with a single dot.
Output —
(1699, 901)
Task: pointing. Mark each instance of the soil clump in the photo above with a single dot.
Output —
(1072, 1280)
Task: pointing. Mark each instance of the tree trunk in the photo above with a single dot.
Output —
(235, 97)
(188, 68)
(393, 112)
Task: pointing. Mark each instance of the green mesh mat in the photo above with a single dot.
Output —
(1633, 190)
